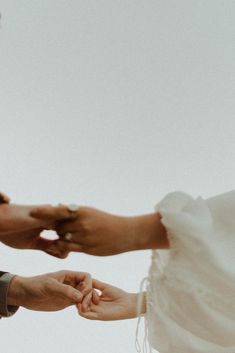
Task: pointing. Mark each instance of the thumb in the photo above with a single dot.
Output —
(67, 291)
(4, 198)
(99, 285)
(53, 247)
(51, 213)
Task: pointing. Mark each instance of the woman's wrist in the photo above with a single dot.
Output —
(138, 304)
(147, 232)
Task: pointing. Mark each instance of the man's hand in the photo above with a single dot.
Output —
(21, 231)
(52, 291)
(16, 218)
(4, 198)
(113, 304)
(98, 233)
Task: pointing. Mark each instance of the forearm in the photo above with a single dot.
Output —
(147, 232)
(16, 292)
(6, 309)
(140, 304)
(135, 306)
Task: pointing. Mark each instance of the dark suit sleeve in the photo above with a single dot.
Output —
(5, 310)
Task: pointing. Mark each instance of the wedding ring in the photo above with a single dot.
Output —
(68, 236)
(73, 207)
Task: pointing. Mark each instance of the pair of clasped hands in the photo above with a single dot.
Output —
(86, 230)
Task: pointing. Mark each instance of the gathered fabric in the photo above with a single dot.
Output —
(191, 286)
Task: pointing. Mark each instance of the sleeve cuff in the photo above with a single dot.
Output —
(6, 310)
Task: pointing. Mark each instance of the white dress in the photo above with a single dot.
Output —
(191, 290)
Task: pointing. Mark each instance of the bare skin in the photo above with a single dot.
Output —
(21, 231)
(92, 231)
(4, 198)
(99, 233)
(52, 291)
(114, 304)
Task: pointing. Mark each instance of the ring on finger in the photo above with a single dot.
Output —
(67, 236)
(73, 208)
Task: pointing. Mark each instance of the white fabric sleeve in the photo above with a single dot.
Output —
(204, 228)
(191, 306)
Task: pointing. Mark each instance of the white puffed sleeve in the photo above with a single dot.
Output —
(191, 290)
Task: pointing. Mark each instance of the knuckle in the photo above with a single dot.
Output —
(62, 272)
(48, 283)
(80, 248)
(82, 212)
(64, 255)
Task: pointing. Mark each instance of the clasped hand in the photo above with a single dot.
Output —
(91, 231)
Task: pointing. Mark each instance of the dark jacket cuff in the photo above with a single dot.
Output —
(6, 310)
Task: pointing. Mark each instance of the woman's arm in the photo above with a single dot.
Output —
(113, 304)
(99, 233)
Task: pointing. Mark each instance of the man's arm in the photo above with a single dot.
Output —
(48, 292)
(20, 231)
(5, 309)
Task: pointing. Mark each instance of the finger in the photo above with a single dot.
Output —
(67, 292)
(81, 280)
(44, 244)
(54, 253)
(16, 218)
(86, 302)
(90, 314)
(67, 226)
(4, 198)
(53, 247)
(95, 297)
(60, 248)
(99, 285)
(87, 284)
(71, 246)
(51, 213)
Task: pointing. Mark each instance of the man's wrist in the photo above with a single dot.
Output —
(6, 309)
(15, 291)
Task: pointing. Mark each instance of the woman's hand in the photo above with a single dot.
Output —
(99, 233)
(52, 291)
(113, 304)
(92, 231)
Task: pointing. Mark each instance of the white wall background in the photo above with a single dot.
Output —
(111, 104)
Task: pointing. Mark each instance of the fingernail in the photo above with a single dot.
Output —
(53, 252)
(85, 307)
(34, 211)
(77, 296)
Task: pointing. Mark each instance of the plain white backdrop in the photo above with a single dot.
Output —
(111, 104)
